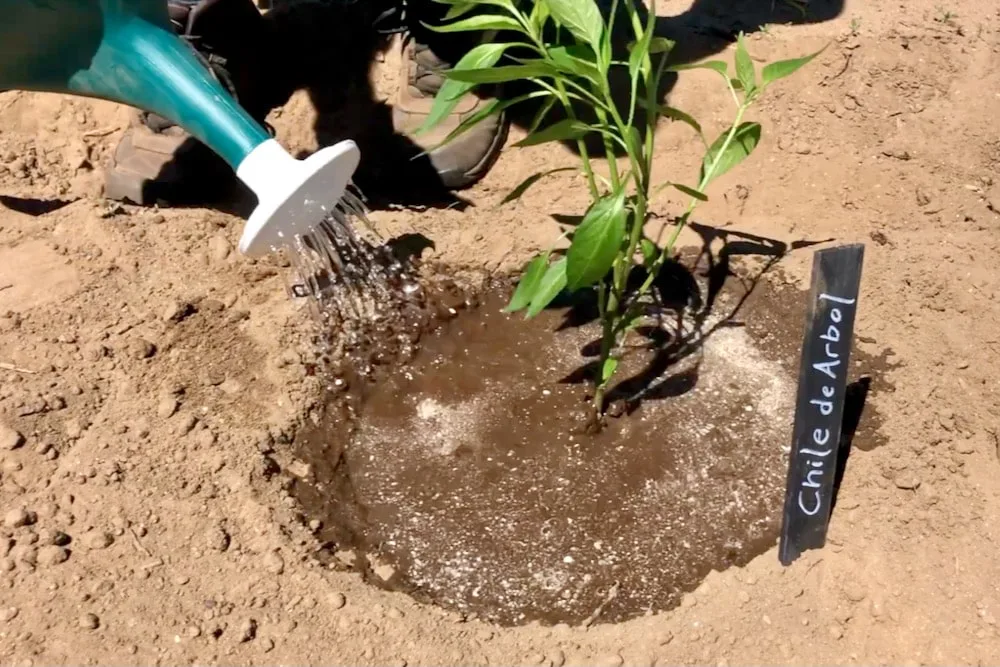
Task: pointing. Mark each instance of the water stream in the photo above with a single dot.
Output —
(364, 300)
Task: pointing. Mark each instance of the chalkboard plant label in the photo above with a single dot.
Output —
(819, 410)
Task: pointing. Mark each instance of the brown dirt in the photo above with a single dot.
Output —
(160, 378)
(469, 478)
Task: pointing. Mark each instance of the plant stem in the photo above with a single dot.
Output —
(564, 99)
(682, 220)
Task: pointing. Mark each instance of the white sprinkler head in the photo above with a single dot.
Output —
(293, 196)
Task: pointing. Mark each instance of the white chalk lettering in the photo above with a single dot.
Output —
(815, 463)
(827, 367)
(815, 509)
(810, 483)
(813, 452)
(836, 299)
(832, 334)
(825, 407)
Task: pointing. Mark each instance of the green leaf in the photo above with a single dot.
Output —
(661, 45)
(459, 9)
(478, 23)
(649, 251)
(543, 111)
(482, 56)
(700, 196)
(596, 242)
(528, 285)
(539, 16)
(576, 59)
(782, 68)
(501, 74)
(549, 287)
(637, 57)
(519, 191)
(564, 130)
(608, 369)
(744, 141)
(494, 106)
(715, 65)
(673, 113)
(744, 65)
(581, 18)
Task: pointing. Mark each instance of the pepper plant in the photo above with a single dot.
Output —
(573, 69)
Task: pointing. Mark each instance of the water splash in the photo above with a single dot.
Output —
(366, 303)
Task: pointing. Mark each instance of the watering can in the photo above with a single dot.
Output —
(126, 51)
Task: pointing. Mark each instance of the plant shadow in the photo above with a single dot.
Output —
(683, 314)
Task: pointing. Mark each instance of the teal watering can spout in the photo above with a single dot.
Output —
(126, 51)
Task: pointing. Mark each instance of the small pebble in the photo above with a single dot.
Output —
(186, 424)
(836, 631)
(19, 517)
(9, 438)
(73, 429)
(266, 644)
(205, 438)
(52, 555)
(613, 660)
(274, 563)
(219, 248)
(90, 622)
(175, 311)
(8, 614)
(248, 630)
(337, 600)
(98, 539)
(854, 592)
(167, 407)
(140, 348)
(965, 447)
(907, 481)
(218, 539)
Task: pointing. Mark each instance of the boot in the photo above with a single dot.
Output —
(157, 162)
(464, 161)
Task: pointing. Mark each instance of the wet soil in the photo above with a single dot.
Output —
(466, 477)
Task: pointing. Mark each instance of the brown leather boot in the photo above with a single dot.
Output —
(157, 161)
(464, 161)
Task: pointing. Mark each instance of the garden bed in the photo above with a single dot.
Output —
(468, 476)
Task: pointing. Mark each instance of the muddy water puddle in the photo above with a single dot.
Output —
(464, 477)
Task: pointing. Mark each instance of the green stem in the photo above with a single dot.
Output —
(682, 221)
(564, 99)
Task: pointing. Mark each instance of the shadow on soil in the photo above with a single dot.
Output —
(31, 206)
(310, 41)
(685, 317)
